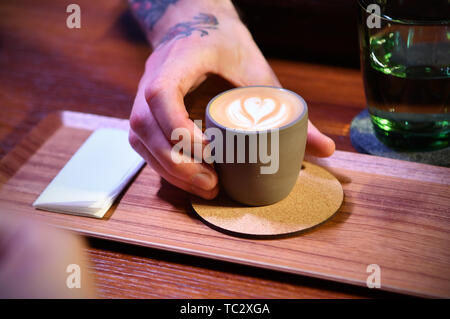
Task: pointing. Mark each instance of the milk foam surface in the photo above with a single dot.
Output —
(256, 108)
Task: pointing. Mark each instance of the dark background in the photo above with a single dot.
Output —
(306, 30)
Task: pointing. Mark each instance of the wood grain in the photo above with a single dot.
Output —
(400, 222)
(130, 271)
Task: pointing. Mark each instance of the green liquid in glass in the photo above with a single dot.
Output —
(407, 82)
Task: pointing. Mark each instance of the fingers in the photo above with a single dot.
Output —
(159, 112)
(318, 144)
(191, 186)
(149, 141)
(168, 109)
(165, 93)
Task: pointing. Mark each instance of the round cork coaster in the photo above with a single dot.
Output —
(315, 198)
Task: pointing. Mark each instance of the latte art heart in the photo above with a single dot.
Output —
(255, 108)
(255, 113)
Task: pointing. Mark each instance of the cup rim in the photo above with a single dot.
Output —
(302, 117)
(363, 5)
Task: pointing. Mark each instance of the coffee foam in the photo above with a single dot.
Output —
(256, 108)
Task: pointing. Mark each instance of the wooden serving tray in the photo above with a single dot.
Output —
(395, 214)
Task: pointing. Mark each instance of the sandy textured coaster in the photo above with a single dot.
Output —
(315, 198)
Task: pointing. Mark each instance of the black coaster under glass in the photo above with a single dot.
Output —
(363, 138)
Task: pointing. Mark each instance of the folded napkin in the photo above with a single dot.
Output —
(93, 178)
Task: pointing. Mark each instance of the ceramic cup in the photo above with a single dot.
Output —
(258, 182)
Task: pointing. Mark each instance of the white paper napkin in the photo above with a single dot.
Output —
(93, 178)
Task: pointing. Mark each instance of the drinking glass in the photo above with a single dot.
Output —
(405, 61)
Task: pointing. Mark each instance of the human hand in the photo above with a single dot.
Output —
(185, 55)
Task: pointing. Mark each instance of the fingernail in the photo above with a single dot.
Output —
(204, 181)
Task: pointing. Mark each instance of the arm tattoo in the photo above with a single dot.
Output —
(201, 23)
(149, 12)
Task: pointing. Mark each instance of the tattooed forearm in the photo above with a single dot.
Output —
(148, 12)
(201, 23)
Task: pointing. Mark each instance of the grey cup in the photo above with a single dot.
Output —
(243, 180)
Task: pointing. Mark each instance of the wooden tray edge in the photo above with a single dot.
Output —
(32, 141)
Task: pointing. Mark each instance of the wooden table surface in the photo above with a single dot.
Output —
(44, 66)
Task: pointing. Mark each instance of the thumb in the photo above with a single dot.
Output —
(318, 144)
